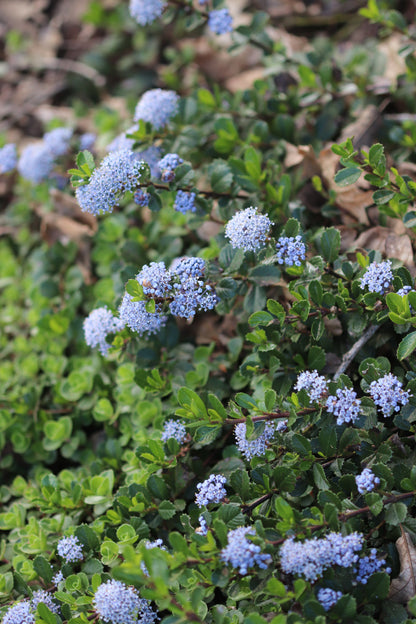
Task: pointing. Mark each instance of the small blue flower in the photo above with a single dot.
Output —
(315, 385)
(35, 163)
(366, 481)
(388, 394)
(211, 490)
(57, 140)
(241, 553)
(185, 202)
(312, 557)
(173, 429)
(118, 173)
(134, 315)
(146, 11)
(253, 448)
(157, 107)
(378, 277)
(344, 405)
(203, 526)
(405, 291)
(58, 577)
(20, 613)
(116, 603)
(170, 161)
(220, 21)
(8, 158)
(141, 198)
(70, 549)
(43, 596)
(248, 230)
(328, 597)
(290, 250)
(368, 565)
(98, 325)
(155, 279)
(87, 140)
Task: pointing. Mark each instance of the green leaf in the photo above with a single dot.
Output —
(407, 346)
(375, 154)
(260, 318)
(206, 98)
(330, 243)
(347, 176)
(265, 275)
(231, 259)
(383, 196)
(316, 292)
(150, 306)
(316, 358)
(135, 290)
(103, 410)
(42, 568)
(396, 513)
(166, 510)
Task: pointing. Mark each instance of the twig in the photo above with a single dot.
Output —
(350, 355)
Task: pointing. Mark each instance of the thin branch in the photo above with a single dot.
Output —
(350, 355)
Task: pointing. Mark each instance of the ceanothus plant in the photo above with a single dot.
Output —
(215, 422)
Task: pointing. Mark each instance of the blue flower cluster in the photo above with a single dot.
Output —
(87, 140)
(134, 315)
(20, 613)
(290, 250)
(43, 596)
(388, 394)
(58, 577)
(241, 553)
(157, 107)
(122, 142)
(366, 481)
(173, 429)
(315, 385)
(368, 565)
(141, 198)
(310, 558)
(70, 549)
(220, 21)
(24, 612)
(118, 173)
(203, 526)
(36, 160)
(149, 545)
(57, 140)
(116, 603)
(345, 405)
(378, 277)
(155, 279)
(253, 448)
(8, 157)
(98, 324)
(211, 490)
(168, 164)
(405, 290)
(328, 597)
(146, 11)
(35, 163)
(190, 293)
(185, 202)
(248, 230)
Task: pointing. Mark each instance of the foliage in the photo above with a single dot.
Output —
(83, 436)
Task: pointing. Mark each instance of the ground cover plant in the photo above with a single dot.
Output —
(208, 380)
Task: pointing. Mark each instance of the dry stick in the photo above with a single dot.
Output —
(350, 355)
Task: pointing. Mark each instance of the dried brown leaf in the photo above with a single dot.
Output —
(389, 243)
(403, 587)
